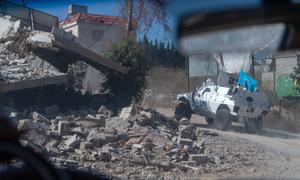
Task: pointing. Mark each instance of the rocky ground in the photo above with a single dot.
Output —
(138, 144)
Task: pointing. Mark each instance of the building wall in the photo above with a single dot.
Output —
(73, 28)
(286, 65)
(96, 37)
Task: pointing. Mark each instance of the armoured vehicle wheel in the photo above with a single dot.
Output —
(209, 121)
(183, 110)
(222, 119)
(254, 125)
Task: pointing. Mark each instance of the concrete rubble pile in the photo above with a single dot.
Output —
(137, 143)
(17, 61)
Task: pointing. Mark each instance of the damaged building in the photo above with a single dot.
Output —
(97, 33)
(35, 54)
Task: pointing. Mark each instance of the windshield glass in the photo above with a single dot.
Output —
(105, 88)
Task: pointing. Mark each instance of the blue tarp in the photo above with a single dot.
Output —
(246, 81)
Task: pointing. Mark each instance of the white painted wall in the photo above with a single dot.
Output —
(96, 37)
(73, 28)
(286, 65)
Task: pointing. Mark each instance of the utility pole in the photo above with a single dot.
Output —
(187, 64)
(222, 62)
(274, 82)
(274, 76)
(129, 17)
(252, 65)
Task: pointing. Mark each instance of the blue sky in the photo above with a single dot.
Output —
(111, 7)
(107, 7)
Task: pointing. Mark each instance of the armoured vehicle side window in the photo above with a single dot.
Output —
(206, 90)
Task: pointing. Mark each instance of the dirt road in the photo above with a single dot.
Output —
(284, 148)
(281, 150)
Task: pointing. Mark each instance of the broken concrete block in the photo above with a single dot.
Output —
(27, 124)
(187, 132)
(219, 159)
(78, 130)
(90, 116)
(96, 138)
(126, 112)
(142, 120)
(109, 149)
(147, 146)
(147, 114)
(117, 123)
(110, 138)
(99, 138)
(137, 146)
(90, 122)
(187, 142)
(109, 130)
(85, 146)
(158, 149)
(51, 143)
(73, 141)
(63, 128)
(54, 125)
(189, 163)
(105, 156)
(52, 149)
(199, 158)
(101, 117)
(131, 141)
(38, 117)
(157, 139)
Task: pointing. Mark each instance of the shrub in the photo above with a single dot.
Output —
(128, 87)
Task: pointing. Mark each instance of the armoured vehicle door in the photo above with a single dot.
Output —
(200, 98)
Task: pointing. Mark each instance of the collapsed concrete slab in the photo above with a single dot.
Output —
(32, 83)
(67, 42)
(73, 141)
(18, 64)
(90, 122)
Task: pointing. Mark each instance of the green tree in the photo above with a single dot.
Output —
(145, 41)
(128, 87)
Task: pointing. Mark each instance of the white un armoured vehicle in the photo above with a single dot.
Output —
(223, 104)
